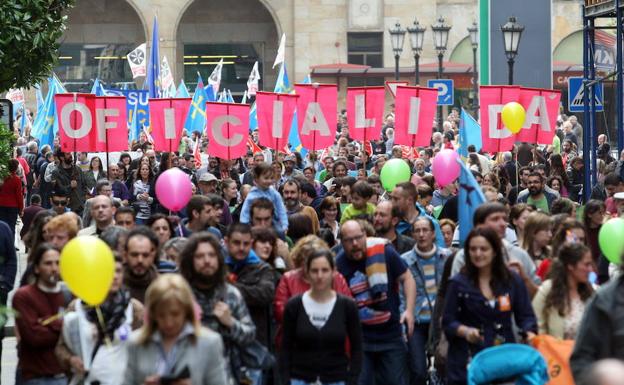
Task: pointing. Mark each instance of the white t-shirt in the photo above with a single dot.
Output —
(318, 313)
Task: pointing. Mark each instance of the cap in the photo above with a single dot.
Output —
(290, 158)
(207, 177)
(619, 195)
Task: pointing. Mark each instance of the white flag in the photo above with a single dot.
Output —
(166, 79)
(138, 61)
(244, 101)
(281, 51)
(215, 77)
(16, 96)
(252, 82)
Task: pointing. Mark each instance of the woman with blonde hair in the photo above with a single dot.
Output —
(172, 347)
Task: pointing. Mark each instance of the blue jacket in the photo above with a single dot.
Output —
(280, 217)
(413, 261)
(465, 305)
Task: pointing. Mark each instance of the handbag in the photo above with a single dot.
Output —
(256, 356)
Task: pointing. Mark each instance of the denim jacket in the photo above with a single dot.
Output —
(413, 260)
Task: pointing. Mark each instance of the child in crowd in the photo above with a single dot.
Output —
(361, 192)
(264, 179)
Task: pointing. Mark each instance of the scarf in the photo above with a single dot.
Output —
(137, 285)
(114, 313)
(236, 266)
(372, 288)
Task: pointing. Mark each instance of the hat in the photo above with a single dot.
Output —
(619, 196)
(290, 158)
(207, 177)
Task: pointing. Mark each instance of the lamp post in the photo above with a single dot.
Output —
(397, 36)
(440, 40)
(473, 30)
(512, 32)
(417, 37)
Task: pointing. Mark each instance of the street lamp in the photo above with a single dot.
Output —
(440, 40)
(512, 31)
(473, 30)
(397, 36)
(417, 36)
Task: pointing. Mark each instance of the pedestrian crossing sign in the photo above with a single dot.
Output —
(575, 95)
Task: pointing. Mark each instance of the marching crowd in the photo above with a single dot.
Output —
(291, 269)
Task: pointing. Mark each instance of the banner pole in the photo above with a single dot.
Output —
(106, 137)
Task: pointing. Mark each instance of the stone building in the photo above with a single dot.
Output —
(328, 38)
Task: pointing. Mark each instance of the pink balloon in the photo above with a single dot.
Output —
(445, 167)
(174, 189)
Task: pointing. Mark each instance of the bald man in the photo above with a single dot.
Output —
(102, 212)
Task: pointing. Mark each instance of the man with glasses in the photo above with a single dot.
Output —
(537, 195)
(70, 177)
(374, 270)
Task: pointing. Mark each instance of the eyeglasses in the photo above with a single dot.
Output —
(59, 203)
(352, 239)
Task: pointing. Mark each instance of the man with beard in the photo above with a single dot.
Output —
(140, 261)
(290, 162)
(39, 323)
(102, 211)
(69, 177)
(254, 279)
(374, 270)
(223, 308)
(385, 220)
(537, 196)
(291, 192)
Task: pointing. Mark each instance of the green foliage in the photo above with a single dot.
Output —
(29, 40)
(6, 150)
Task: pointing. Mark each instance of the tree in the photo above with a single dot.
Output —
(29, 40)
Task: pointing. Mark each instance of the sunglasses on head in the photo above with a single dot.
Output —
(59, 203)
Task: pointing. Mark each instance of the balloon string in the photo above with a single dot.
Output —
(100, 317)
(55, 317)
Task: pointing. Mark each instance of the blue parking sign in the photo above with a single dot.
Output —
(445, 91)
(575, 95)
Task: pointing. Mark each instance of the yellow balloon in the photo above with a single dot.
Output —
(87, 266)
(513, 116)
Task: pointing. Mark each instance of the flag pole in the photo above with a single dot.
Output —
(106, 138)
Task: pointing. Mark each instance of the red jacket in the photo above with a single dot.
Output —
(292, 284)
(11, 194)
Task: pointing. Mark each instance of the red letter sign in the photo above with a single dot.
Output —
(317, 114)
(495, 136)
(365, 108)
(228, 129)
(91, 123)
(167, 117)
(275, 115)
(415, 111)
(542, 108)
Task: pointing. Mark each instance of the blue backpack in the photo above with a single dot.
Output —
(508, 362)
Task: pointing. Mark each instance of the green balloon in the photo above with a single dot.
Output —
(393, 172)
(556, 143)
(610, 240)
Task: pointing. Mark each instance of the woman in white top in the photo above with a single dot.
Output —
(561, 300)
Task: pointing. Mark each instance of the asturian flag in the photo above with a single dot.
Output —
(137, 59)
(229, 98)
(98, 89)
(214, 80)
(43, 126)
(196, 118)
(252, 82)
(166, 79)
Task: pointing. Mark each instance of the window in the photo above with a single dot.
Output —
(365, 48)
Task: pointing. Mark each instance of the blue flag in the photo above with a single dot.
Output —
(39, 98)
(293, 136)
(43, 126)
(469, 133)
(153, 65)
(470, 197)
(229, 98)
(135, 126)
(182, 91)
(253, 118)
(196, 118)
(24, 119)
(97, 88)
